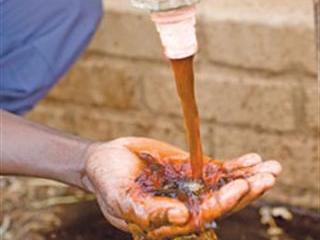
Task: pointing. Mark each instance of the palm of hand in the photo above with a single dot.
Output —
(112, 170)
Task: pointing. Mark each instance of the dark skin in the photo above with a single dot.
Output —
(109, 171)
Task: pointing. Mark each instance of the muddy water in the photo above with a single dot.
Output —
(184, 77)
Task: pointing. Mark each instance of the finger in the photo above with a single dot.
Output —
(171, 231)
(271, 166)
(162, 217)
(154, 212)
(223, 200)
(258, 184)
(117, 222)
(247, 160)
(178, 216)
(112, 219)
(162, 210)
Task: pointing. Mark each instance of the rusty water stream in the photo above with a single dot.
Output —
(184, 78)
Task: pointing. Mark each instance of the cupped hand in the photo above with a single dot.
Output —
(112, 169)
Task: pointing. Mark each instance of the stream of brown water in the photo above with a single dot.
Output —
(184, 77)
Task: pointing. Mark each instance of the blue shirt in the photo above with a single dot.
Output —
(39, 41)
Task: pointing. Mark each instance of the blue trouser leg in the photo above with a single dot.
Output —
(39, 41)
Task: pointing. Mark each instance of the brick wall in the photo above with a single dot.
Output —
(256, 87)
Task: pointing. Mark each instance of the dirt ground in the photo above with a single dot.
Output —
(37, 209)
(27, 206)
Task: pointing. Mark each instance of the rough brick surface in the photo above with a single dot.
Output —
(312, 106)
(159, 92)
(109, 83)
(58, 118)
(271, 35)
(257, 47)
(127, 34)
(255, 102)
(297, 154)
(106, 124)
(227, 98)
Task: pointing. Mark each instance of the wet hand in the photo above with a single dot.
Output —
(112, 169)
(251, 178)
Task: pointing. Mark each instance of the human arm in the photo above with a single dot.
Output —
(109, 170)
(31, 149)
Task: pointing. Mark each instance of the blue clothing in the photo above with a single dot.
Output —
(39, 41)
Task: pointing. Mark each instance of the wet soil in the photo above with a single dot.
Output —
(175, 181)
(84, 221)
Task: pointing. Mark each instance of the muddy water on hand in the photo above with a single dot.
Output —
(184, 77)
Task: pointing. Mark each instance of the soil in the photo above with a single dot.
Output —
(84, 221)
(175, 181)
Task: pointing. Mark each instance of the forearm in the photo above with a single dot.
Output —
(33, 150)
